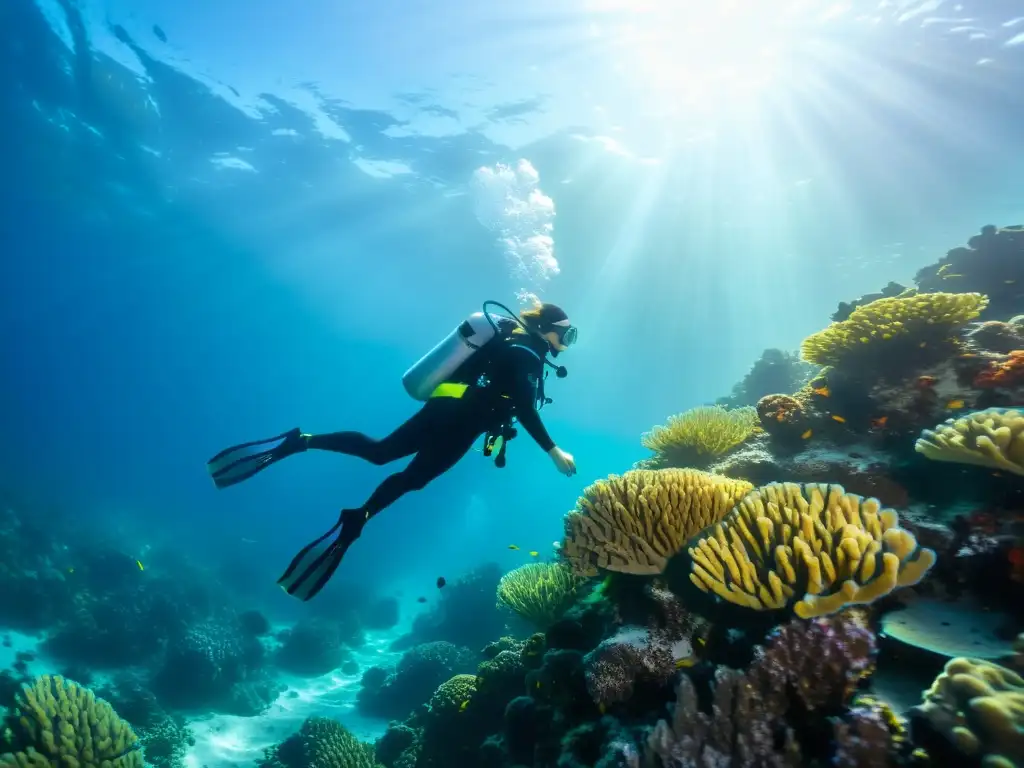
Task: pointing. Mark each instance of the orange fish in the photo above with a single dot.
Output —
(840, 419)
(806, 435)
(955, 405)
(823, 391)
(880, 422)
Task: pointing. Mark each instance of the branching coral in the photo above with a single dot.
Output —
(786, 540)
(64, 724)
(990, 438)
(539, 592)
(810, 668)
(915, 319)
(698, 435)
(979, 707)
(635, 522)
(1002, 373)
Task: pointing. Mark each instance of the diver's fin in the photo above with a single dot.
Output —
(311, 569)
(240, 462)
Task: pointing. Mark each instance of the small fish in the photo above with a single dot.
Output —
(463, 705)
(943, 269)
(955, 405)
(534, 553)
(513, 547)
(880, 422)
(807, 435)
(421, 599)
(538, 685)
(1009, 282)
(923, 344)
(823, 391)
(139, 563)
(840, 419)
(441, 582)
(684, 663)
(949, 277)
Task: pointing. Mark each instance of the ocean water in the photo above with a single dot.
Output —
(225, 220)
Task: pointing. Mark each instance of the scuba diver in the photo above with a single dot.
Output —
(486, 374)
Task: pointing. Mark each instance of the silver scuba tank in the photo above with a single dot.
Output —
(441, 362)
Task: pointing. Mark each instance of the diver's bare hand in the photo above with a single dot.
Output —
(564, 462)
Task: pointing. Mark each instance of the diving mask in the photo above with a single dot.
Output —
(566, 332)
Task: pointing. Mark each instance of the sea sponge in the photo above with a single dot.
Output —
(63, 724)
(539, 592)
(453, 695)
(1002, 373)
(979, 706)
(920, 318)
(990, 438)
(698, 435)
(635, 522)
(815, 541)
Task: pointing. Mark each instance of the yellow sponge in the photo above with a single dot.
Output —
(635, 522)
(979, 706)
(814, 542)
(920, 318)
(67, 726)
(990, 438)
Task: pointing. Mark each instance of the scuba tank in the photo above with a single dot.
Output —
(443, 360)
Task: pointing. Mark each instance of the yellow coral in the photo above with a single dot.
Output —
(698, 434)
(453, 695)
(539, 592)
(67, 726)
(635, 522)
(899, 318)
(990, 438)
(980, 707)
(831, 548)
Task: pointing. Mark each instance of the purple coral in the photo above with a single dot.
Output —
(642, 654)
(811, 666)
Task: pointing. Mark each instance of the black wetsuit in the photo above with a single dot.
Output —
(445, 428)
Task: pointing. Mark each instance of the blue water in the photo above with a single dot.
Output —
(262, 220)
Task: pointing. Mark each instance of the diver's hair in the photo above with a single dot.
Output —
(540, 315)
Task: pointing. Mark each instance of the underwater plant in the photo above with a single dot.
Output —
(990, 438)
(635, 522)
(814, 542)
(698, 435)
(916, 320)
(539, 592)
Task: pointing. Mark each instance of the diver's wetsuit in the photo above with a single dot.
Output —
(444, 429)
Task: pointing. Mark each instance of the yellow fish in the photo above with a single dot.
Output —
(534, 553)
(538, 685)
(806, 435)
(139, 563)
(943, 269)
(463, 705)
(513, 546)
(955, 405)
(840, 419)
(683, 663)
(823, 391)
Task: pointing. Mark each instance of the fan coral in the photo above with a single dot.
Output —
(635, 522)
(1002, 373)
(65, 724)
(698, 435)
(783, 540)
(979, 707)
(539, 592)
(991, 438)
(917, 319)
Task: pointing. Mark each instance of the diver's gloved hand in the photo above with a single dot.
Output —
(564, 462)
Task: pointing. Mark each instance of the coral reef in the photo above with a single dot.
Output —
(59, 723)
(894, 326)
(992, 438)
(636, 522)
(978, 707)
(694, 438)
(539, 592)
(817, 543)
(321, 743)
